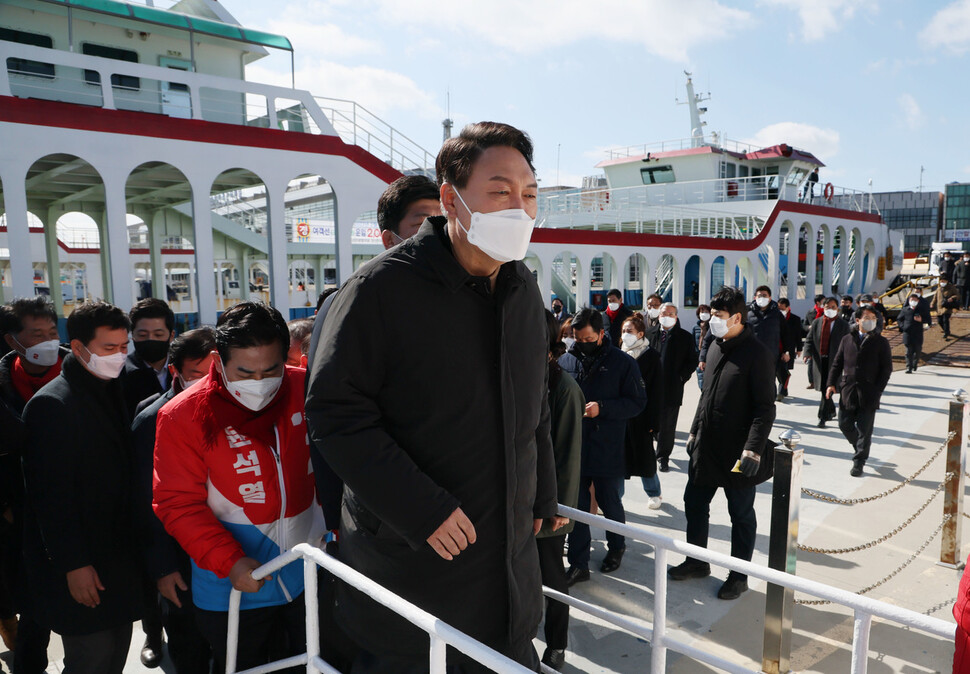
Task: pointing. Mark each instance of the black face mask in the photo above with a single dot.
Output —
(586, 349)
(152, 350)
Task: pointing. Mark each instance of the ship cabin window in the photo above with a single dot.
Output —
(729, 169)
(795, 176)
(657, 174)
(742, 171)
(118, 81)
(19, 66)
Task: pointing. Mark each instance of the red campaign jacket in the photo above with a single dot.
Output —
(232, 483)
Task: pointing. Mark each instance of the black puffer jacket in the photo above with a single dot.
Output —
(430, 420)
(767, 326)
(861, 370)
(735, 412)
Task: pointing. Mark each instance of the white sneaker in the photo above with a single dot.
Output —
(654, 502)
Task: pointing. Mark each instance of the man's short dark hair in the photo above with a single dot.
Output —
(865, 310)
(655, 296)
(614, 292)
(14, 313)
(399, 196)
(783, 301)
(248, 324)
(324, 295)
(152, 307)
(831, 299)
(588, 317)
(300, 328)
(731, 300)
(85, 320)
(819, 298)
(459, 154)
(847, 297)
(763, 289)
(192, 345)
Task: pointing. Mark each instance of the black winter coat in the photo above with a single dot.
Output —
(961, 274)
(861, 370)
(614, 326)
(768, 326)
(641, 455)
(735, 412)
(612, 379)
(566, 408)
(791, 334)
(429, 421)
(79, 506)
(947, 268)
(911, 328)
(813, 343)
(139, 381)
(679, 358)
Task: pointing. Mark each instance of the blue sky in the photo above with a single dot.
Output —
(874, 88)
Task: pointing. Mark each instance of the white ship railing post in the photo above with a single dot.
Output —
(312, 615)
(860, 642)
(658, 654)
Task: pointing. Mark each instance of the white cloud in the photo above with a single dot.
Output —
(322, 39)
(819, 18)
(949, 28)
(913, 116)
(666, 29)
(966, 169)
(823, 143)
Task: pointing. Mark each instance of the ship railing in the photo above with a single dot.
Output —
(28, 71)
(711, 140)
(441, 635)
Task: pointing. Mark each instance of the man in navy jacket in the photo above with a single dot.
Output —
(614, 391)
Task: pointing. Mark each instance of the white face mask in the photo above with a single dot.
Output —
(704, 316)
(502, 235)
(762, 301)
(867, 325)
(43, 354)
(106, 367)
(653, 313)
(568, 341)
(254, 393)
(914, 303)
(667, 321)
(629, 339)
(614, 306)
(188, 383)
(719, 326)
(831, 313)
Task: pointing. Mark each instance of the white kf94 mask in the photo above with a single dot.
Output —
(502, 235)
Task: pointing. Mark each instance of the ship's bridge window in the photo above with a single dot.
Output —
(657, 174)
(119, 81)
(729, 169)
(20, 66)
(795, 176)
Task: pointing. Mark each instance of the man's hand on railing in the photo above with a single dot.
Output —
(84, 584)
(167, 587)
(241, 575)
(454, 535)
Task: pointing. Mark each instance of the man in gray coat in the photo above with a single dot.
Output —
(442, 436)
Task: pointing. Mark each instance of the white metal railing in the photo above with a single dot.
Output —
(442, 634)
(680, 144)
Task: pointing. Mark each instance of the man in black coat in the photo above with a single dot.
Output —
(442, 437)
(167, 564)
(820, 347)
(911, 321)
(679, 359)
(80, 534)
(559, 311)
(614, 316)
(728, 437)
(614, 393)
(859, 374)
(767, 322)
(947, 266)
(961, 279)
(791, 344)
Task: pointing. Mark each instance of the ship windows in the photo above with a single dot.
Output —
(729, 170)
(19, 66)
(119, 81)
(657, 174)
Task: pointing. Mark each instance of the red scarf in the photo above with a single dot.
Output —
(612, 314)
(27, 384)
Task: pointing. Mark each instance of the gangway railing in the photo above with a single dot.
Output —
(442, 635)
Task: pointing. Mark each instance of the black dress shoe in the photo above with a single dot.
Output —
(554, 658)
(576, 575)
(612, 560)
(856, 470)
(733, 587)
(151, 654)
(821, 423)
(690, 568)
(663, 466)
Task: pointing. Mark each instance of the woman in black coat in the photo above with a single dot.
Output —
(641, 457)
(911, 322)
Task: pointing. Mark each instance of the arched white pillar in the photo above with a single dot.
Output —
(810, 259)
(14, 179)
(826, 259)
(205, 282)
(279, 276)
(116, 237)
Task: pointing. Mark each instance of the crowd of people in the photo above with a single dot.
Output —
(146, 474)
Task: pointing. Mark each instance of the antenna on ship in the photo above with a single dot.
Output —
(696, 125)
(447, 123)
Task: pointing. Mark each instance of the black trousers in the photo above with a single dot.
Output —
(187, 646)
(811, 373)
(265, 634)
(783, 374)
(744, 521)
(965, 296)
(856, 426)
(666, 433)
(944, 321)
(554, 577)
(826, 408)
(912, 355)
(99, 653)
(32, 642)
(609, 496)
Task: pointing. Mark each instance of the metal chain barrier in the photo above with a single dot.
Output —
(869, 588)
(866, 499)
(870, 544)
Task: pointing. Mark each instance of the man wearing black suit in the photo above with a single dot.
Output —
(821, 347)
(679, 358)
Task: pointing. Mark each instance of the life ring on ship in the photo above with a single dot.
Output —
(829, 192)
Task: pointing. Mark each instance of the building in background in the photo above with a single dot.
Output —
(919, 215)
(956, 213)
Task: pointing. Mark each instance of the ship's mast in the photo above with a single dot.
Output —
(696, 125)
